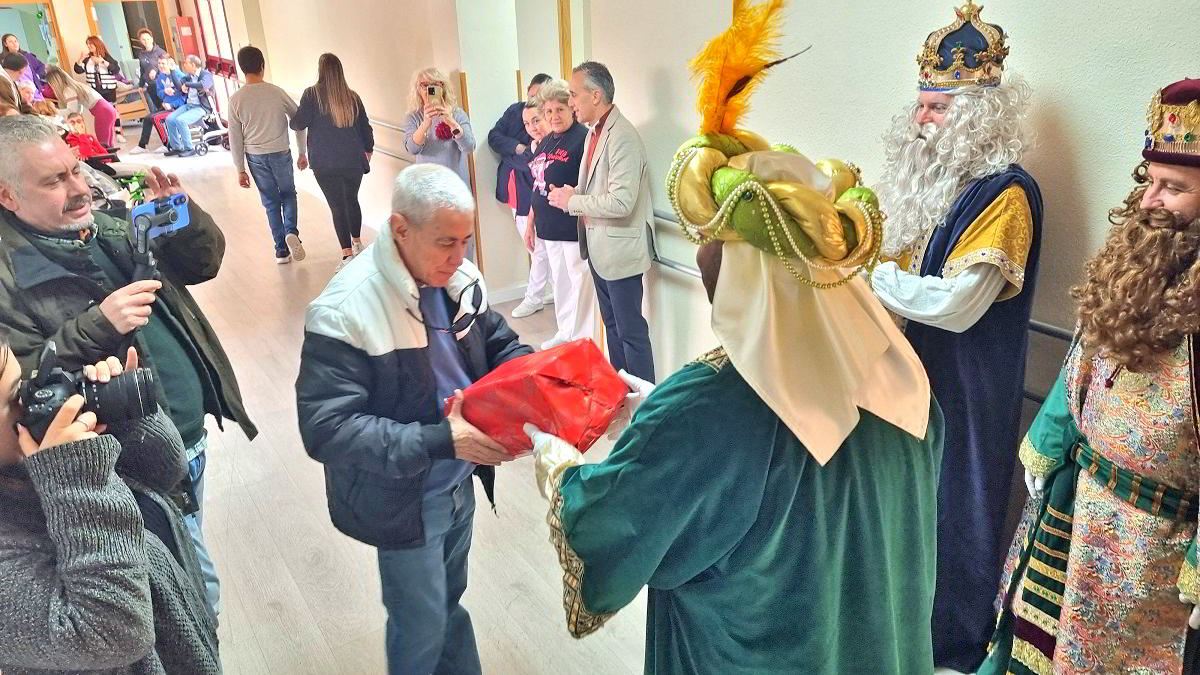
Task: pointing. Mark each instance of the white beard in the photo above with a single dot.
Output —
(984, 133)
(918, 187)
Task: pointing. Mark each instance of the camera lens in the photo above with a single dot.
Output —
(128, 396)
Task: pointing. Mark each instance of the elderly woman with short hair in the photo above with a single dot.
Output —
(556, 163)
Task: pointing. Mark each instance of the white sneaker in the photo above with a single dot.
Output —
(138, 150)
(295, 247)
(284, 260)
(162, 149)
(553, 342)
(345, 261)
(357, 247)
(526, 308)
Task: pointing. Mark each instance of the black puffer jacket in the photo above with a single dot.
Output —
(366, 394)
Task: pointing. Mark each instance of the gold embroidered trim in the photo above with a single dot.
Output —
(716, 359)
(580, 622)
(1031, 658)
(1049, 551)
(1059, 515)
(1042, 592)
(1056, 532)
(1047, 571)
(1037, 617)
(1037, 463)
(1013, 273)
(1189, 581)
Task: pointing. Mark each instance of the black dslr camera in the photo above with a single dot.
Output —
(128, 396)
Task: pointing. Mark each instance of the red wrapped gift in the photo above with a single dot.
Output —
(570, 391)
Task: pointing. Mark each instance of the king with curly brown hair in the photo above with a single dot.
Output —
(1103, 569)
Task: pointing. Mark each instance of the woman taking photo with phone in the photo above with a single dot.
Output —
(340, 141)
(103, 73)
(97, 570)
(437, 130)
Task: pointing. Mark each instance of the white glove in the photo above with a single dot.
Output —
(1035, 485)
(551, 455)
(639, 391)
(1194, 619)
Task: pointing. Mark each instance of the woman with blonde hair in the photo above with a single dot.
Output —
(76, 97)
(341, 141)
(437, 130)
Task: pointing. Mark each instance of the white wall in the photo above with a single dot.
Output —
(488, 39)
(1093, 74)
(537, 38)
(380, 44)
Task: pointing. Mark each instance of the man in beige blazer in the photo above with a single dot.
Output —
(615, 213)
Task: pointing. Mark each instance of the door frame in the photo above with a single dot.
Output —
(89, 8)
(63, 61)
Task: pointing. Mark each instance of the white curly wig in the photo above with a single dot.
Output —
(985, 131)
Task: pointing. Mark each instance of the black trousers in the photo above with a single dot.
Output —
(340, 187)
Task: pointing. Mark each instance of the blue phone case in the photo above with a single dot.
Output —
(168, 214)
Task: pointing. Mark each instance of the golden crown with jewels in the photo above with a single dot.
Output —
(1173, 125)
(966, 53)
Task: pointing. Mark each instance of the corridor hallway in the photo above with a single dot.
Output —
(298, 596)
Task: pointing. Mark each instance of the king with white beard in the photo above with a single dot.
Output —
(962, 239)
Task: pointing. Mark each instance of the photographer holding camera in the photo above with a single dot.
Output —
(97, 571)
(67, 276)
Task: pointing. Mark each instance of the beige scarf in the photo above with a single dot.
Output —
(815, 356)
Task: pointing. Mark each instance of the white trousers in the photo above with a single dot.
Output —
(574, 294)
(539, 266)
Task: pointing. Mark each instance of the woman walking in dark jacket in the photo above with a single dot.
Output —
(103, 73)
(340, 141)
(97, 571)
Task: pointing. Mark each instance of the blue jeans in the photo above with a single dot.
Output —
(197, 459)
(428, 631)
(626, 328)
(277, 188)
(178, 136)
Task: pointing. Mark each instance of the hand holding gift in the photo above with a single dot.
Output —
(570, 392)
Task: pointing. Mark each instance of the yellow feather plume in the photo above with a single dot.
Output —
(733, 63)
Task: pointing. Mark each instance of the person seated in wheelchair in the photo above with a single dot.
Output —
(94, 154)
(196, 85)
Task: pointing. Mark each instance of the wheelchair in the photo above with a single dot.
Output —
(209, 132)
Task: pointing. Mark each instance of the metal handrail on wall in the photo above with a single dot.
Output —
(1034, 326)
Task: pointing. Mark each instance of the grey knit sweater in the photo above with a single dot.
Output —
(83, 585)
(451, 153)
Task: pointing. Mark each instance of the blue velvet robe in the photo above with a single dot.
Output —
(978, 378)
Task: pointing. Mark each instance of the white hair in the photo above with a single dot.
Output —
(16, 132)
(421, 190)
(554, 90)
(194, 60)
(986, 131)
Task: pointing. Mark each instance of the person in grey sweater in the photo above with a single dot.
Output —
(97, 571)
(259, 114)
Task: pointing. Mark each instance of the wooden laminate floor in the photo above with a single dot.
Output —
(298, 596)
